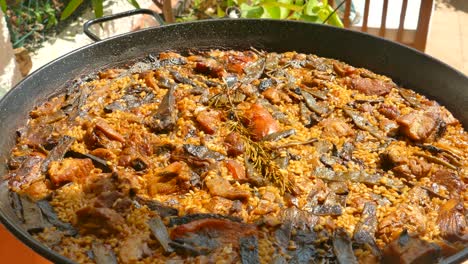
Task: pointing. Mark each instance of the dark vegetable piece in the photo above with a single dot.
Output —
(265, 83)
(164, 120)
(354, 176)
(313, 105)
(175, 221)
(408, 249)
(28, 172)
(253, 71)
(15, 202)
(33, 219)
(205, 235)
(103, 254)
(97, 162)
(364, 232)
(362, 123)
(333, 205)
(160, 208)
(279, 135)
(49, 213)
(159, 231)
(409, 97)
(342, 247)
(58, 152)
(249, 250)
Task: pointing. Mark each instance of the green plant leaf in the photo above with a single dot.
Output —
(309, 7)
(70, 8)
(98, 8)
(334, 19)
(3, 5)
(134, 3)
(271, 12)
(299, 2)
(248, 11)
(313, 19)
(220, 12)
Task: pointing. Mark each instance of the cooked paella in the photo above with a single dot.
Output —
(241, 157)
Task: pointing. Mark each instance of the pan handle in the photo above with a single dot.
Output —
(91, 22)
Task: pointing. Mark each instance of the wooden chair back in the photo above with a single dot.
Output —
(414, 38)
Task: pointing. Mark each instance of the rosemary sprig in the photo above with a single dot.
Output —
(261, 158)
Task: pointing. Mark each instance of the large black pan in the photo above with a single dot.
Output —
(406, 66)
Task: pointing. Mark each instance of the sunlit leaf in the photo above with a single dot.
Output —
(334, 19)
(134, 3)
(271, 12)
(3, 5)
(287, 4)
(314, 19)
(248, 11)
(98, 8)
(309, 7)
(299, 2)
(70, 8)
(219, 11)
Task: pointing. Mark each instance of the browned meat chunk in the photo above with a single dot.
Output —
(414, 168)
(27, 173)
(38, 190)
(210, 67)
(234, 144)
(419, 125)
(452, 221)
(69, 170)
(236, 170)
(150, 81)
(389, 111)
(390, 127)
(273, 95)
(260, 122)
(371, 86)
(133, 248)
(236, 62)
(47, 108)
(176, 169)
(110, 74)
(209, 121)
(409, 249)
(336, 127)
(450, 180)
(100, 221)
(105, 128)
(221, 187)
(343, 69)
(175, 177)
(205, 235)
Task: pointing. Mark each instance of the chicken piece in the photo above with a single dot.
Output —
(420, 125)
(209, 121)
(176, 169)
(134, 248)
(234, 144)
(237, 61)
(336, 127)
(409, 249)
(371, 86)
(273, 95)
(221, 187)
(38, 190)
(260, 122)
(389, 111)
(450, 180)
(69, 170)
(236, 170)
(210, 67)
(111, 133)
(452, 221)
(99, 221)
(415, 168)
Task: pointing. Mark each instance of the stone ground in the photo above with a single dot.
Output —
(448, 36)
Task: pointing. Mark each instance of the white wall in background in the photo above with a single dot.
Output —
(393, 13)
(9, 73)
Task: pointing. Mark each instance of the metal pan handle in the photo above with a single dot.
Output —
(91, 22)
